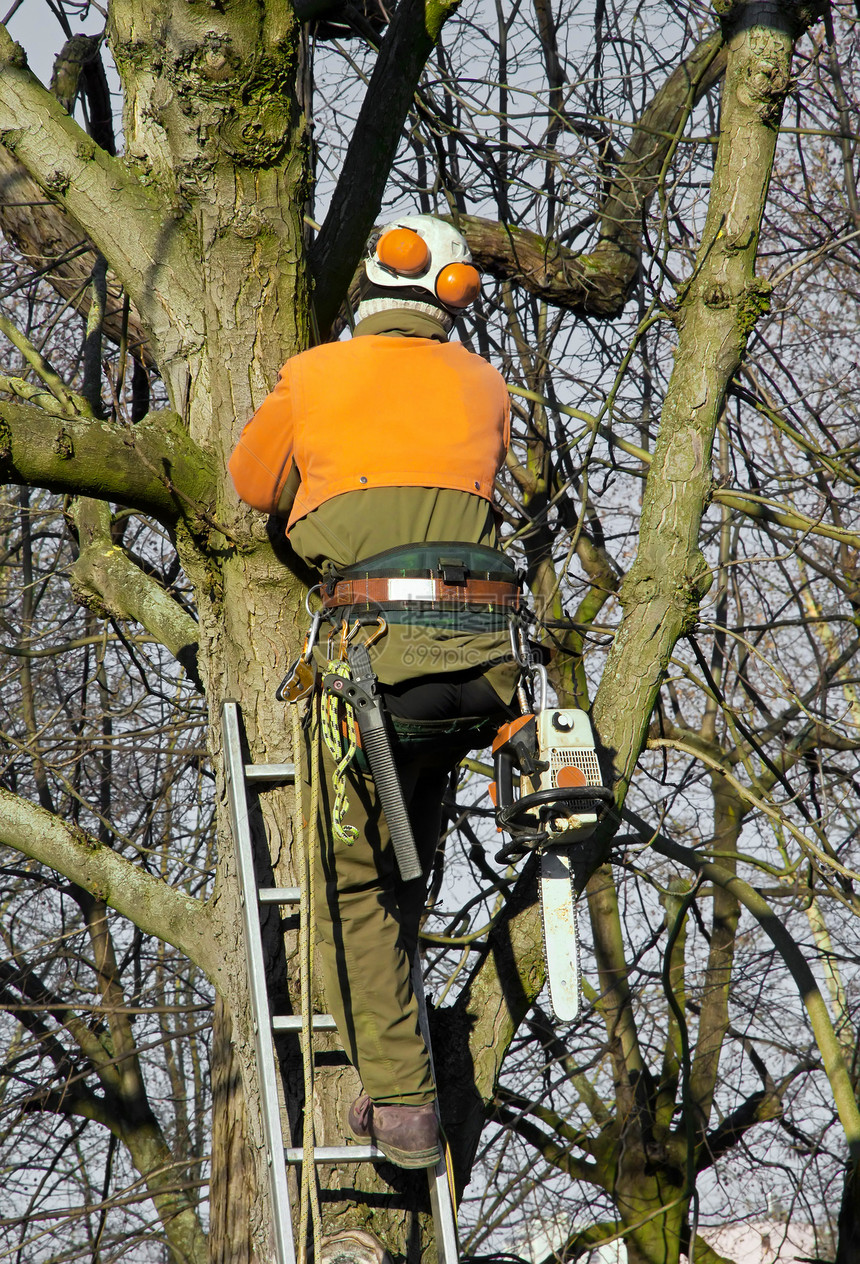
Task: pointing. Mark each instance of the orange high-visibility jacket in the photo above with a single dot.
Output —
(375, 412)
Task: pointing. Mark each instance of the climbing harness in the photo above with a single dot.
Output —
(547, 787)
(467, 588)
(459, 587)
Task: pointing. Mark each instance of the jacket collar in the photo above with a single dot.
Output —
(400, 323)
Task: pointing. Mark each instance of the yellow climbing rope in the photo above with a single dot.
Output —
(342, 752)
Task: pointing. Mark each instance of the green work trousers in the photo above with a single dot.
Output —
(367, 924)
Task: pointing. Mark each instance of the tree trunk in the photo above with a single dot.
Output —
(717, 312)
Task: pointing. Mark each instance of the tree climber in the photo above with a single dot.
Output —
(382, 453)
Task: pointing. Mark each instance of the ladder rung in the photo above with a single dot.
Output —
(279, 895)
(291, 1022)
(270, 772)
(337, 1154)
(253, 897)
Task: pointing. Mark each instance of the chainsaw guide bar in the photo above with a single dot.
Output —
(560, 935)
(551, 754)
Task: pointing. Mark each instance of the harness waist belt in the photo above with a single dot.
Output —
(352, 592)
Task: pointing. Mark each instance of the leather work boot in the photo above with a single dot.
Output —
(407, 1135)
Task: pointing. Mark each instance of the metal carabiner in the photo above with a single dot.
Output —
(308, 594)
(530, 668)
(344, 633)
(538, 669)
(311, 638)
(381, 629)
(347, 634)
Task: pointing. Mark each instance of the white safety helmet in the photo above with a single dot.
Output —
(423, 252)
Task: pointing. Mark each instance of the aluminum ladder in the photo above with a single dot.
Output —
(239, 776)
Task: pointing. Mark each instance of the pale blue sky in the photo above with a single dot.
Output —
(36, 28)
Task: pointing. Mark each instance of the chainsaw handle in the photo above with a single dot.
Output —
(503, 764)
(508, 815)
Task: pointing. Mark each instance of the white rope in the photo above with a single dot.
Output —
(309, 1206)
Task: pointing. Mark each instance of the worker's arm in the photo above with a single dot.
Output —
(262, 463)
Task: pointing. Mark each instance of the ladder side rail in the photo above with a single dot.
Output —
(439, 1179)
(266, 1064)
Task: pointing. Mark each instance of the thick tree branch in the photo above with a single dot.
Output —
(798, 967)
(133, 1118)
(414, 30)
(729, 816)
(718, 310)
(651, 148)
(41, 229)
(53, 244)
(705, 1254)
(141, 238)
(79, 72)
(555, 1048)
(105, 571)
(151, 904)
(758, 1108)
(599, 283)
(616, 1001)
(485, 1017)
(549, 1147)
(89, 1042)
(583, 1242)
(33, 989)
(764, 510)
(154, 466)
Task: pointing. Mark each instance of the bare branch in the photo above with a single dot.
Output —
(798, 966)
(355, 203)
(105, 570)
(154, 466)
(151, 904)
(599, 283)
(719, 308)
(145, 244)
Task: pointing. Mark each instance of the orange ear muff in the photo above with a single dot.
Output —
(458, 285)
(403, 251)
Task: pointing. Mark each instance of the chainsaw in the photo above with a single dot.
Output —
(554, 808)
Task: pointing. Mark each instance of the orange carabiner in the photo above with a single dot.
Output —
(344, 637)
(347, 634)
(381, 629)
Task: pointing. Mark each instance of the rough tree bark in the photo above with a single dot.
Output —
(205, 234)
(716, 313)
